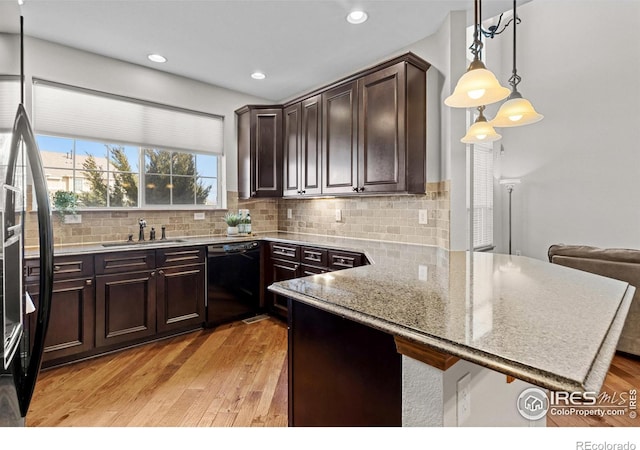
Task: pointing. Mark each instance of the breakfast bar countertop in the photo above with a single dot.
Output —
(545, 324)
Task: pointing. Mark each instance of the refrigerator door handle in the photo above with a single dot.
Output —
(25, 378)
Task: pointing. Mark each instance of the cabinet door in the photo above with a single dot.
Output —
(125, 307)
(282, 270)
(266, 152)
(381, 131)
(311, 146)
(291, 152)
(339, 143)
(180, 297)
(71, 323)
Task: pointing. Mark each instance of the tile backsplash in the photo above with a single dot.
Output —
(389, 218)
(108, 226)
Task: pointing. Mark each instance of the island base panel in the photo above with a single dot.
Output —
(341, 373)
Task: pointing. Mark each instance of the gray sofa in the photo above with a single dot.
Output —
(620, 264)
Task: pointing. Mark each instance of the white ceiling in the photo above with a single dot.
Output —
(299, 44)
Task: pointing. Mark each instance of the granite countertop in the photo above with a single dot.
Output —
(543, 323)
(371, 249)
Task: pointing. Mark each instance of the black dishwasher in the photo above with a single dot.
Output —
(233, 282)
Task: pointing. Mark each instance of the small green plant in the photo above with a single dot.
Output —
(65, 202)
(232, 220)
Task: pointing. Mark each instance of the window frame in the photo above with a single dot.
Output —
(141, 175)
(487, 183)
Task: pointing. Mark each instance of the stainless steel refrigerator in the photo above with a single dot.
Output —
(24, 325)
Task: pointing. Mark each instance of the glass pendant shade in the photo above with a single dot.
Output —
(481, 131)
(515, 112)
(475, 88)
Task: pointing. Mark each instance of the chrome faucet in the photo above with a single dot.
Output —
(143, 224)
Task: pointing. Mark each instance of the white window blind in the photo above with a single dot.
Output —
(9, 100)
(70, 111)
(483, 195)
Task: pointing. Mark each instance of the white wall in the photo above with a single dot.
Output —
(62, 64)
(580, 166)
(446, 155)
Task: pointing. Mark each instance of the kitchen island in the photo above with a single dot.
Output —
(418, 319)
(449, 314)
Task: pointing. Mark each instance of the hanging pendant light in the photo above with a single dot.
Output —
(481, 131)
(516, 111)
(478, 86)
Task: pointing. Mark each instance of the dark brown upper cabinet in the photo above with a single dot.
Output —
(302, 148)
(364, 134)
(291, 151)
(259, 151)
(390, 136)
(339, 143)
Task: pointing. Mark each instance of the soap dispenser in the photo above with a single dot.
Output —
(247, 224)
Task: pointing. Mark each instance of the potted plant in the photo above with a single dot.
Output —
(65, 203)
(232, 220)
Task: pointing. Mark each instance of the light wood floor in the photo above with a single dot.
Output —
(235, 375)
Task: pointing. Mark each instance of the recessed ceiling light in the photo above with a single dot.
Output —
(258, 76)
(357, 17)
(157, 58)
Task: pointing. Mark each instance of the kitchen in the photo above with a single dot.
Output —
(543, 159)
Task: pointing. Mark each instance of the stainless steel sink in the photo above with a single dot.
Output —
(137, 243)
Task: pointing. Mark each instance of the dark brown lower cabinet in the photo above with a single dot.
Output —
(288, 261)
(282, 270)
(71, 323)
(311, 270)
(341, 373)
(180, 297)
(125, 307)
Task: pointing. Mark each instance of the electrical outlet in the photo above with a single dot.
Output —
(518, 253)
(423, 272)
(198, 216)
(72, 218)
(289, 213)
(463, 407)
(338, 215)
(423, 217)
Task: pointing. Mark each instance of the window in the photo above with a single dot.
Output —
(175, 178)
(105, 175)
(483, 196)
(116, 152)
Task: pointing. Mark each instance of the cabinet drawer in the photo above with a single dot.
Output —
(64, 268)
(168, 257)
(314, 256)
(311, 270)
(125, 261)
(285, 251)
(344, 260)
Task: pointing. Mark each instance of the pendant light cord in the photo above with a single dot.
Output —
(515, 79)
(476, 47)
